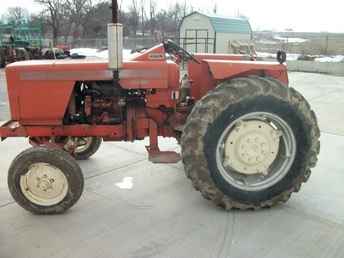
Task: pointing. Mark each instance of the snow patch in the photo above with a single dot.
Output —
(127, 183)
(330, 59)
(89, 52)
(267, 42)
(290, 56)
(93, 52)
(294, 57)
(291, 40)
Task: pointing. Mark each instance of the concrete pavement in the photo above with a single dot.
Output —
(132, 208)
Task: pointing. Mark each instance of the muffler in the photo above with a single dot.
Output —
(115, 45)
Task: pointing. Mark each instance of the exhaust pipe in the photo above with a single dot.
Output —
(115, 46)
(115, 43)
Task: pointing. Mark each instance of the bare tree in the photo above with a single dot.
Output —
(66, 17)
(17, 15)
(142, 17)
(54, 9)
(80, 18)
(184, 8)
(98, 17)
(134, 16)
(176, 14)
(76, 14)
(215, 8)
(152, 13)
(187, 8)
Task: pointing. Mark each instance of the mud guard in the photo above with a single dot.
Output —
(224, 69)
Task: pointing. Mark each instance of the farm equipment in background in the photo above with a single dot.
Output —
(54, 53)
(243, 48)
(248, 140)
(19, 43)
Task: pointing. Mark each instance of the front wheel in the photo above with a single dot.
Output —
(85, 147)
(250, 143)
(45, 180)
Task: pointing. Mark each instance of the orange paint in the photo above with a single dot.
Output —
(40, 92)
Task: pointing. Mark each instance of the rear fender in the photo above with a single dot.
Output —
(210, 73)
(222, 70)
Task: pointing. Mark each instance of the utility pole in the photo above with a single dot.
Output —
(326, 43)
(151, 17)
(143, 17)
(215, 7)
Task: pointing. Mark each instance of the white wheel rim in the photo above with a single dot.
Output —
(251, 147)
(236, 162)
(82, 143)
(44, 184)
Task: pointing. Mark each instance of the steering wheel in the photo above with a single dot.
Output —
(172, 47)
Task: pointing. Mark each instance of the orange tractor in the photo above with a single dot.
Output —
(248, 140)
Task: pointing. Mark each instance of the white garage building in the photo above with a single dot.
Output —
(200, 33)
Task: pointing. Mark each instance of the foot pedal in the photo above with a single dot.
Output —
(164, 157)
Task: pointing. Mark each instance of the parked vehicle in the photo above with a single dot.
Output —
(19, 43)
(248, 140)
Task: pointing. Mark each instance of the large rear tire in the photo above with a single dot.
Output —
(250, 143)
(45, 180)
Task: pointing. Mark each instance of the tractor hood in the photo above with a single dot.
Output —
(59, 69)
(33, 86)
(150, 64)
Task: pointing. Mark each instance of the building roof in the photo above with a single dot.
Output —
(227, 24)
(230, 25)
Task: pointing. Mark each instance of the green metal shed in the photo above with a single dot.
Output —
(199, 32)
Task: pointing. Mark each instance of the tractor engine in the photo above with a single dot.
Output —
(96, 103)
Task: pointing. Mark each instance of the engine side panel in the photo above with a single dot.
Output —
(37, 102)
(40, 91)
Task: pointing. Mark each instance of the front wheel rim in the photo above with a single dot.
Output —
(44, 184)
(270, 164)
(83, 144)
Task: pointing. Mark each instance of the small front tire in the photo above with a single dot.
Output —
(45, 180)
(86, 146)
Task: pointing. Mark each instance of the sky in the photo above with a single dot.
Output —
(299, 15)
